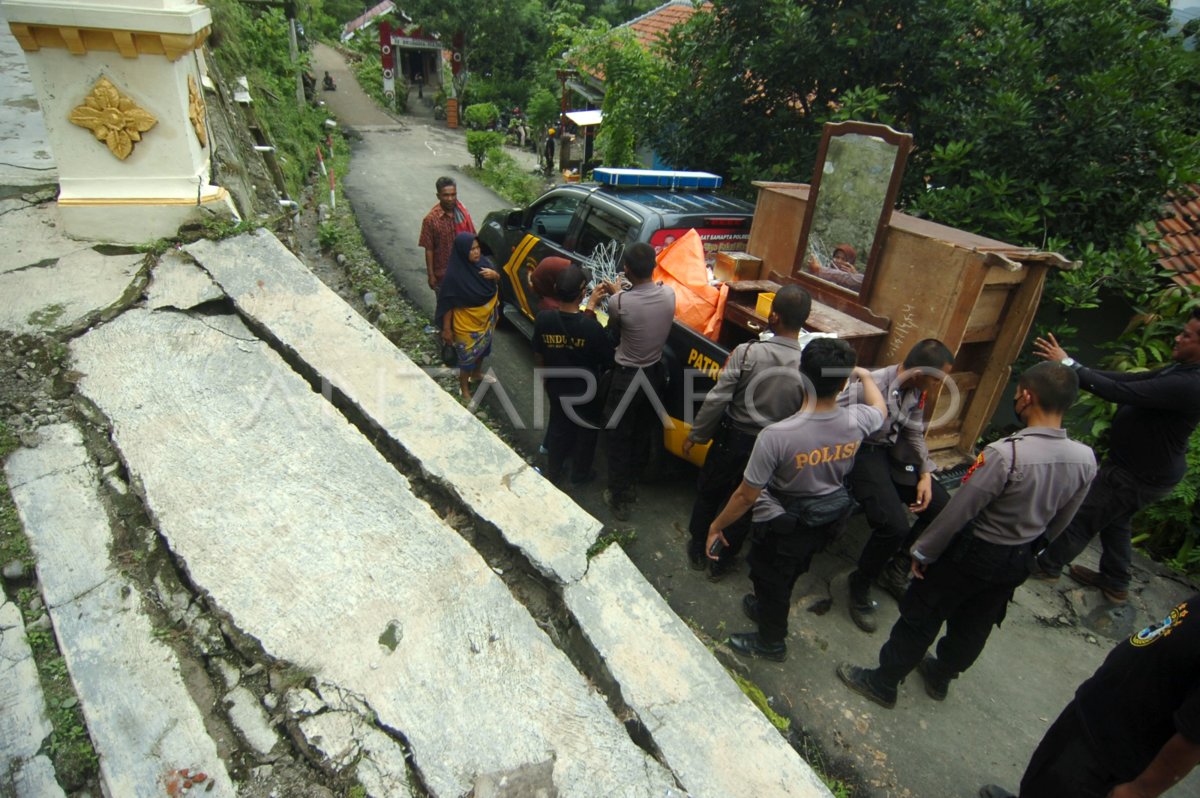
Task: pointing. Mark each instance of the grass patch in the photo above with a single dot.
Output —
(368, 71)
(502, 174)
(47, 316)
(13, 543)
(622, 537)
(70, 748)
(759, 699)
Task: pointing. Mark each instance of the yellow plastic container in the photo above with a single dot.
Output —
(763, 306)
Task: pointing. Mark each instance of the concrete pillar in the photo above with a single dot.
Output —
(120, 86)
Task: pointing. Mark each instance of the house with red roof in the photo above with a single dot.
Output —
(1179, 225)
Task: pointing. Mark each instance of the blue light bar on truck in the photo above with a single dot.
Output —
(655, 178)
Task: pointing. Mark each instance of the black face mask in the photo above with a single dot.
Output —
(1016, 412)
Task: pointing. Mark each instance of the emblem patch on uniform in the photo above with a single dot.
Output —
(1161, 629)
(978, 462)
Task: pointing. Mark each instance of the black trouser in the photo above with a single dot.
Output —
(1113, 498)
(567, 440)
(1064, 765)
(885, 504)
(719, 478)
(630, 435)
(782, 551)
(968, 589)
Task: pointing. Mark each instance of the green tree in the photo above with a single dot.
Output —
(1035, 120)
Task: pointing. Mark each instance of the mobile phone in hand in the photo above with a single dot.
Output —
(716, 548)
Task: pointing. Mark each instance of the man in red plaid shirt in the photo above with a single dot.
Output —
(443, 222)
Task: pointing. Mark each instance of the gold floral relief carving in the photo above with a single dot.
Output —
(113, 118)
(196, 111)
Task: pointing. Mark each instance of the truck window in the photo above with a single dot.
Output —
(602, 240)
(551, 218)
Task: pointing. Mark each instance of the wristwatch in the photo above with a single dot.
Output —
(1070, 362)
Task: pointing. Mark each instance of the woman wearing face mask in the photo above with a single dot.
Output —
(467, 309)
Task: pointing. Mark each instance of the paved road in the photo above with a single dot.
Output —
(983, 733)
(391, 187)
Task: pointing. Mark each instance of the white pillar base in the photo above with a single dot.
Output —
(140, 220)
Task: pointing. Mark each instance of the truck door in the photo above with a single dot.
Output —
(550, 226)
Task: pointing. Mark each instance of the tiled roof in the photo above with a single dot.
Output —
(655, 24)
(1179, 226)
(363, 19)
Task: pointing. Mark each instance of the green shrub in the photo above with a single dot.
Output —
(479, 142)
(481, 116)
(504, 175)
(254, 43)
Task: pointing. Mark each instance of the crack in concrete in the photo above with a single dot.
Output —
(41, 264)
(78, 596)
(55, 473)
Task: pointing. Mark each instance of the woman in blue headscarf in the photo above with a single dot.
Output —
(467, 308)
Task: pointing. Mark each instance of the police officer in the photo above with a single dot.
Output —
(972, 558)
(759, 385)
(803, 458)
(639, 321)
(893, 474)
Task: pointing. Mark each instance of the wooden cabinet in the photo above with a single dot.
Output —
(975, 294)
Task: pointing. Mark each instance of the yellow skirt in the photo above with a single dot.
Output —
(473, 328)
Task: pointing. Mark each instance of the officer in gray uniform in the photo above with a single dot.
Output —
(802, 459)
(972, 558)
(759, 385)
(893, 474)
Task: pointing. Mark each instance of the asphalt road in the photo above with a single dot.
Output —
(1053, 638)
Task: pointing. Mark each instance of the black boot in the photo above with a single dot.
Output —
(937, 683)
(751, 645)
(862, 608)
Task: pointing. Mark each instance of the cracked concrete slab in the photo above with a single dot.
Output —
(293, 525)
(139, 714)
(450, 443)
(25, 156)
(69, 293)
(177, 282)
(33, 234)
(352, 745)
(24, 727)
(711, 736)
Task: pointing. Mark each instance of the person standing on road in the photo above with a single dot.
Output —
(467, 308)
(803, 458)
(759, 385)
(639, 320)
(975, 554)
(1133, 729)
(548, 152)
(893, 474)
(1147, 456)
(574, 346)
(439, 227)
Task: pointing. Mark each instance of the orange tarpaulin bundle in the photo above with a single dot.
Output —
(697, 304)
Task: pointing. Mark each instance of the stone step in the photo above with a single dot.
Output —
(293, 526)
(713, 738)
(455, 448)
(698, 718)
(24, 727)
(142, 721)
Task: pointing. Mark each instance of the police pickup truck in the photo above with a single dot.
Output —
(593, 222)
